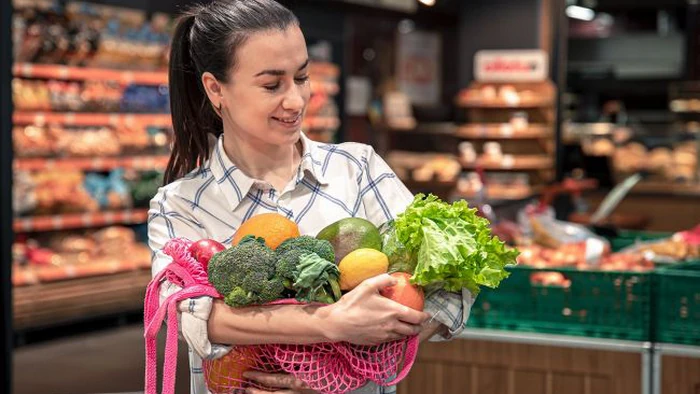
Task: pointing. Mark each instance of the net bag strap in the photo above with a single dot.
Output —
(408, 360)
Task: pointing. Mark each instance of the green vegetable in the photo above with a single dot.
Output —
(400, 258)
(454, 246)
(245, 274)
(321, 247)
(317, 280)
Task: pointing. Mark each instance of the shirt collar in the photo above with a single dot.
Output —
(236, 184)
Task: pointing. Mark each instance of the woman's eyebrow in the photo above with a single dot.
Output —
(279, 73)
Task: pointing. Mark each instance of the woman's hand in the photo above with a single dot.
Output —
(365, 317)
(287, 384)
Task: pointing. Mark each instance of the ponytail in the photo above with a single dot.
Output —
(192, 116)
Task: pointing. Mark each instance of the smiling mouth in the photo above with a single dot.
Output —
(289, 121)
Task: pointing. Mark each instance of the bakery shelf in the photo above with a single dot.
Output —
(79, 220)
(54, 71)
(90, 119)
(329, 88)
(511, 162)
(321, 122)
(502, 131)
(436, 128)
(92, 163)
(52, 303)
(502, 104)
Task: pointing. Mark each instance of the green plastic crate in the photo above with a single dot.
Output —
(677, 307)
(627, 238)
(605, 304)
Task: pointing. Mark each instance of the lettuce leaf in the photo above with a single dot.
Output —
(454, 245)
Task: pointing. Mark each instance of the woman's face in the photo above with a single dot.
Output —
(268, 88)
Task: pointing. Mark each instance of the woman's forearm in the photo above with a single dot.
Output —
(291, 324)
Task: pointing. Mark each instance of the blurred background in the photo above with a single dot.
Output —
(573, 125)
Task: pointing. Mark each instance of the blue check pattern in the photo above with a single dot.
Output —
(331, 183)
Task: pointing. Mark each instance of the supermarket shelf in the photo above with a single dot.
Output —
(510, 162)
(54, 71)
(79, 220)
(502, 104)
(555, 340)
(62, 301)
(438, 128)
(502, 131)
(498, 198)
(91, 119)
(92, 163)
(329, 88)
(321, 122)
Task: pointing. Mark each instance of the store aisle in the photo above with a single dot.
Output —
(109, 361)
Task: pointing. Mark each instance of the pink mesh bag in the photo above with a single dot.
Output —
(328, 368)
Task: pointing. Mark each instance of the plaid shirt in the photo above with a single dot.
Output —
(332, 182)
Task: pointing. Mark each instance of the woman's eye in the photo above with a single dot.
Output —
(272, 88)
(302, 80)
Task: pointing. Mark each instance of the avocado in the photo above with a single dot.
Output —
(349, 234)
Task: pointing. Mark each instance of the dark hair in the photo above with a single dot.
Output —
(205, 39)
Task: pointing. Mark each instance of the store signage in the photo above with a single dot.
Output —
(419, 66)
(511, 66)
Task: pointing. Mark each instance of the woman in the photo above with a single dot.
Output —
(239, 75)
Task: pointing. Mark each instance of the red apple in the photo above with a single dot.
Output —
(203, 249)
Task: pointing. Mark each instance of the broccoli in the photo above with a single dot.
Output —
(245, 274)
(317, 280)
(321, 247)
(286, 268)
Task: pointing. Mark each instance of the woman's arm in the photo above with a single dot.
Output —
(362, 316)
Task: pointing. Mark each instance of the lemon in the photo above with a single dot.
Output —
(361, 264)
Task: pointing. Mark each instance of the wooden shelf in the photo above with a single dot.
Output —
(511, 162)
(320, 122)
(56, 302)
(502, 104)
(79, 220)
(54, 71)
(92, 163)
(666, 188)
(91, 119)
(438, 128)
(502, 131)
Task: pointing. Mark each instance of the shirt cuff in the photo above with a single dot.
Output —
(193, 315)
(450, 309)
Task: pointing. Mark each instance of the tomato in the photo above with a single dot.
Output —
(404, 292)
(203, 249)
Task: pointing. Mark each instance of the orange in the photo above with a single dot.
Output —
(225, 374)
(274, 227)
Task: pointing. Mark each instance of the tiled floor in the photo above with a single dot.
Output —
(109, 361)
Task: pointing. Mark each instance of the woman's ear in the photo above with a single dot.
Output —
(213, 88)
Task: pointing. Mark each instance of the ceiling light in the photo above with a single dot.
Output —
(581, 13)
(429, 3)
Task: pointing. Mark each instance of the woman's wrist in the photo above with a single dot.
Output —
(323, 324)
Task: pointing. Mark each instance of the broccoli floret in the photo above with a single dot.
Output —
(321, 247)
(245, 274)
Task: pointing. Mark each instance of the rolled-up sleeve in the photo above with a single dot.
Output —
(167, 220)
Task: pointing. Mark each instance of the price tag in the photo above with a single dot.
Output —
(508, 161)
(506, 130)
(128, 77)
(27, 70)
(57, 222)
(63, 72)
